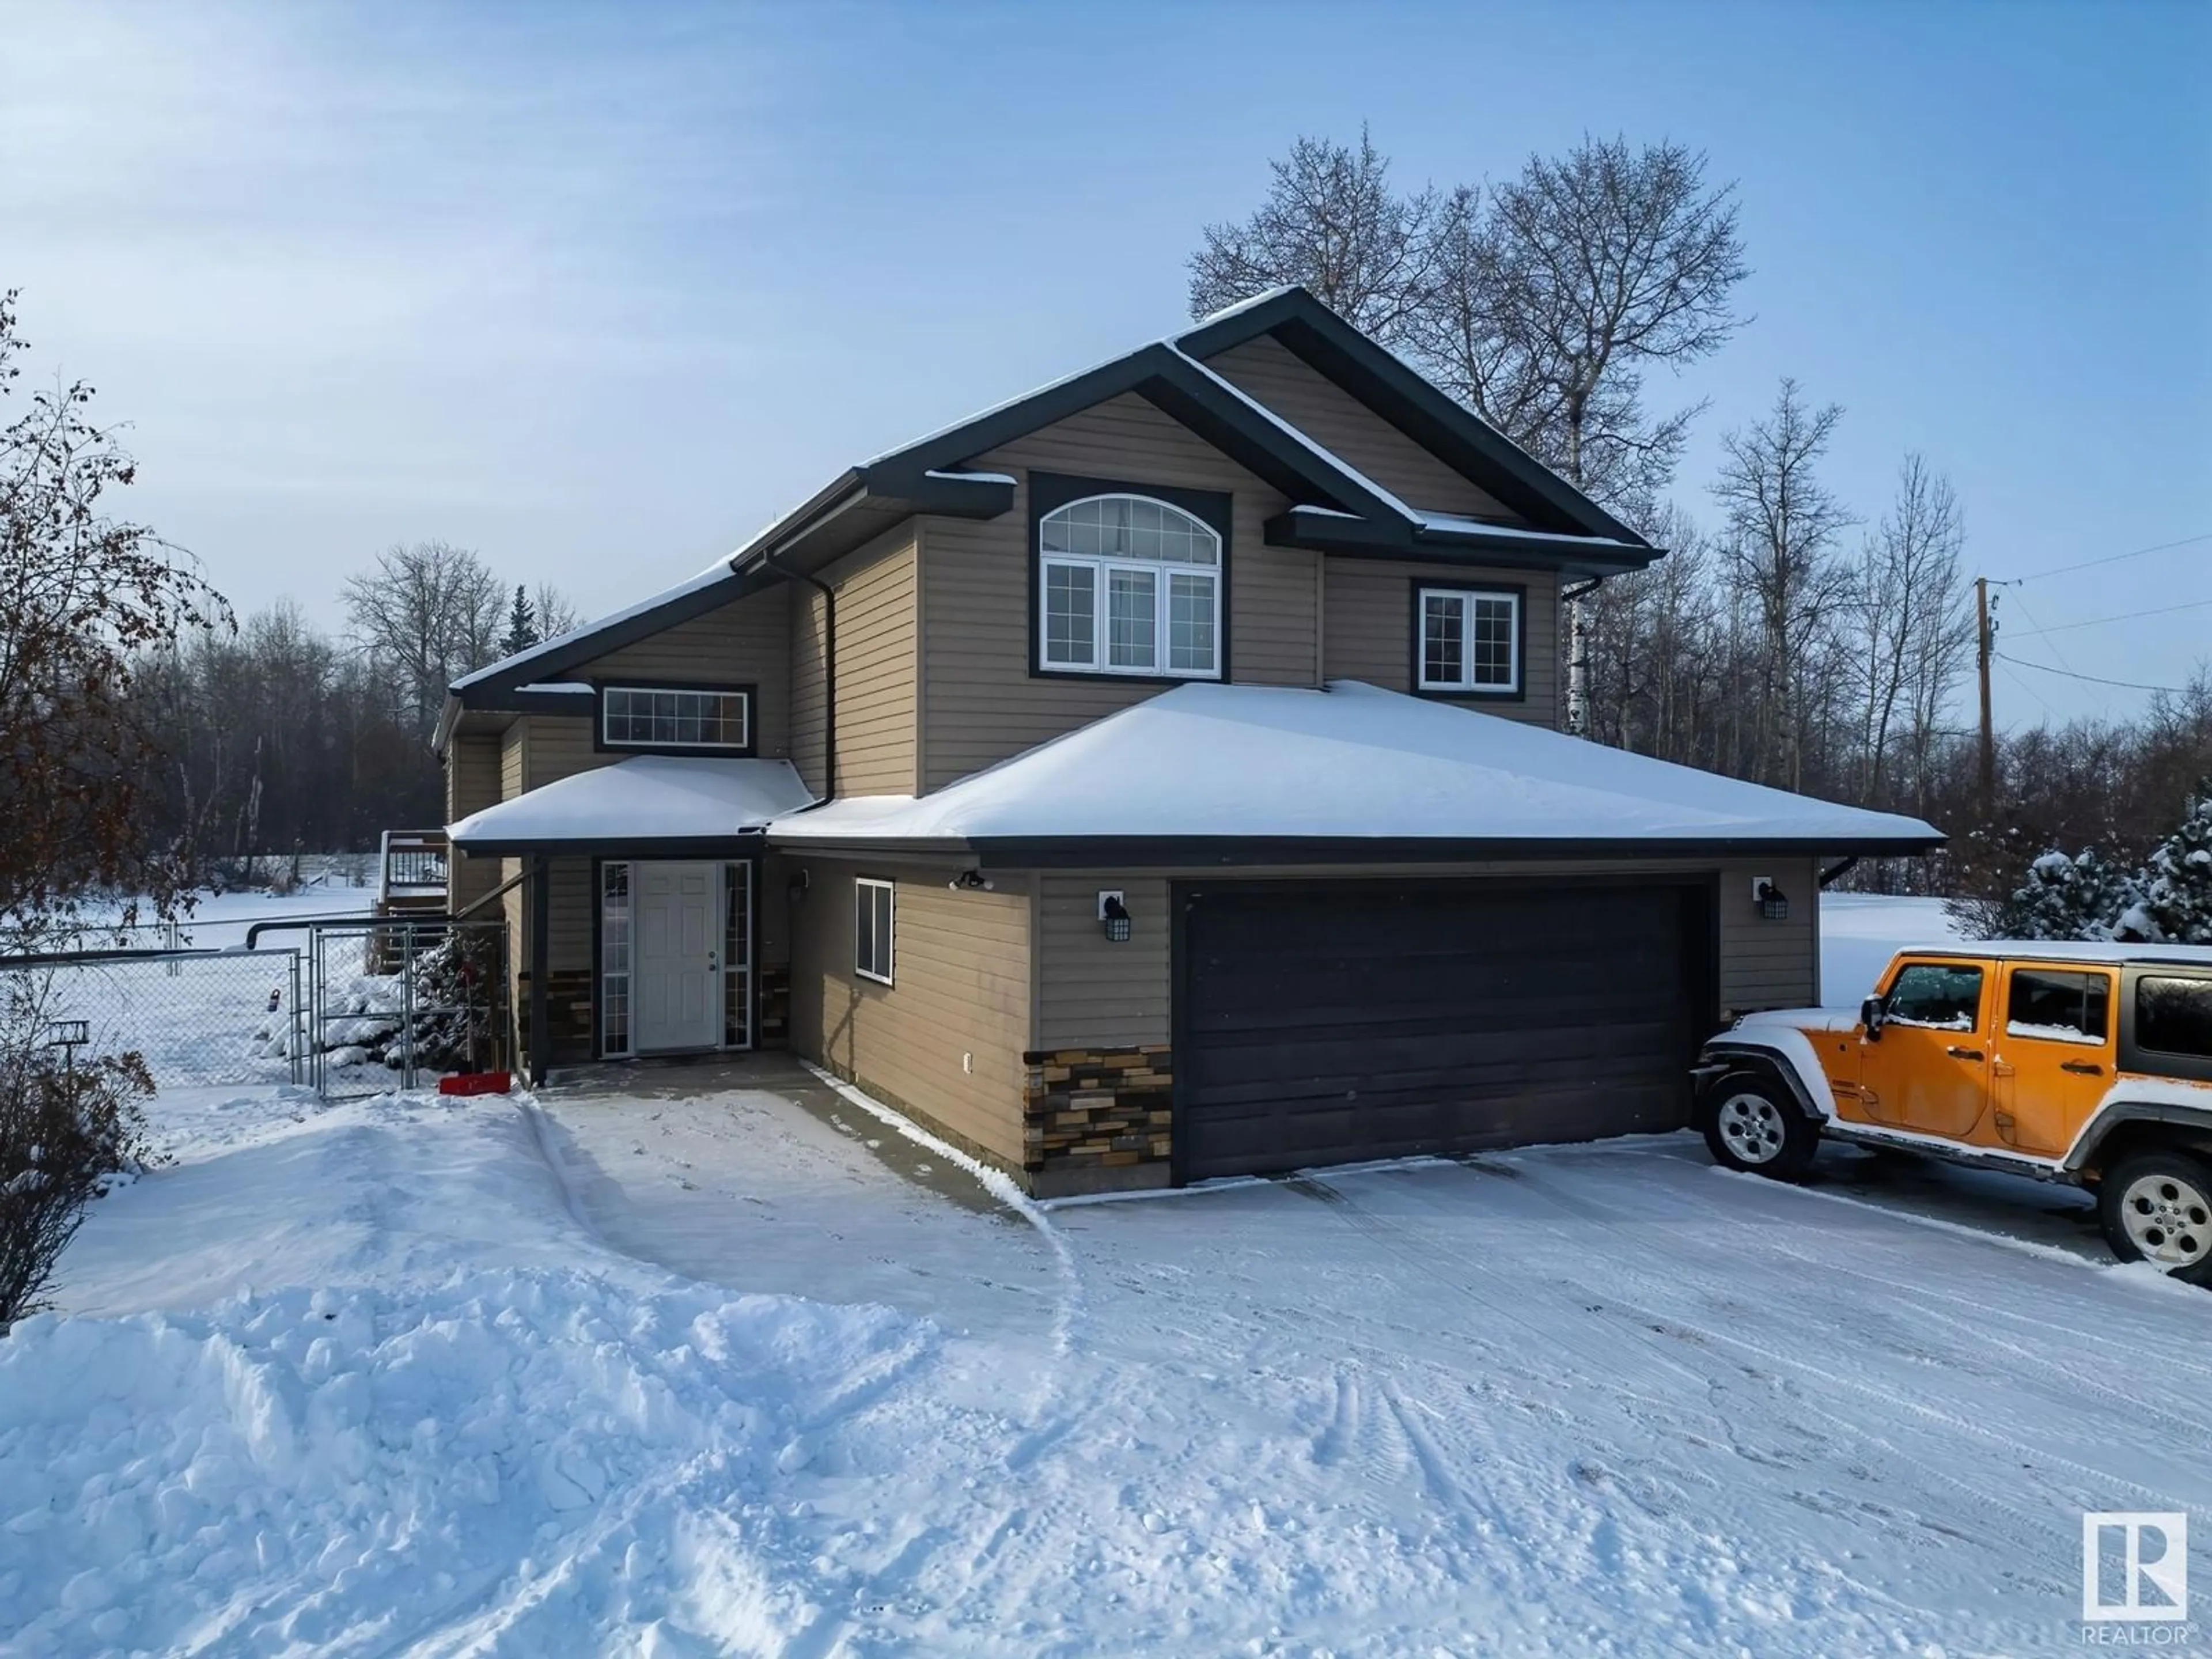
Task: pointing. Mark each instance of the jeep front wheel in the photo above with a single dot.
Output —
(2157, 1207)
(1748, 1125)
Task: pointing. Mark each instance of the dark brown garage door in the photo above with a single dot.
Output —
(1327, 1024)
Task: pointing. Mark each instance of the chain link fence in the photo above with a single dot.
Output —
(199, 1018)
(360, 1008)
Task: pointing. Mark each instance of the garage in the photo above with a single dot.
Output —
(1326, 1023)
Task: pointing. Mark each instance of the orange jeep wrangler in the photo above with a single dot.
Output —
(2088, 1064)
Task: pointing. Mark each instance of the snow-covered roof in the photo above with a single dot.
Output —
(645, 799)
(558, 645)
(1350, 762)
(1459, 523)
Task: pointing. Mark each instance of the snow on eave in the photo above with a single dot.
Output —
(1350, 763)
(1241, 306)
(644, 798)
(1459, 523)
(971, 477)
(556, 688)
(1336, 462)
(560, 644)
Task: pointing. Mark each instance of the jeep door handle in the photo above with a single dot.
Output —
(2084, 1068)
(1963, 1053)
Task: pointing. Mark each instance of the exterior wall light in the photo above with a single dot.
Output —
(1114, 918)
(970, 881)
(1773, 903)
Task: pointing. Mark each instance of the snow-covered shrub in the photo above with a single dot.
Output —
(454, 985)
(2175, 904)
(68, 1128)
(2063, 897)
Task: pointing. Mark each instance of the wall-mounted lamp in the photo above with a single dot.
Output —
(796, 887)
(970, 881)
(1773, 903)
(1113, 917)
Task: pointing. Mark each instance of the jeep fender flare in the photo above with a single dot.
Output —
(2194, 1122)
(1771, 1057)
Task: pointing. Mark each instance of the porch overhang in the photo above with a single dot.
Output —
(647, 806)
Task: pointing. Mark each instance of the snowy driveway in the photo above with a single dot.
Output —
(1603, 1399)
(748, 1372)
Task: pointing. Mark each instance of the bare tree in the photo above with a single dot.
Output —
(1333, 221)
(1914, 630)
(555, 612)
(1782, 523)
(84, 597)
(428, 614)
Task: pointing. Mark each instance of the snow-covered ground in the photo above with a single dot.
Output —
(749, 1371)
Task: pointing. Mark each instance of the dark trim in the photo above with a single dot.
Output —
(1474, 449)
(740, 844)
(1225, 852)
(750, 690)
(541, 960)
(495, 687)
(2084, 1155)
(1181, 896)
(522, 701)
(1360, 539)
(1416, 585)
(1050, 491)
(1837, 871)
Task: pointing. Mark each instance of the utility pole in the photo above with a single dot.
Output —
(1983, 641)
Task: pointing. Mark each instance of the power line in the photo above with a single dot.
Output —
(2112, 558)
(2128, 685)
(2098, 622)
(2049, 712)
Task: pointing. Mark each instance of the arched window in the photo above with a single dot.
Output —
(1127, 584)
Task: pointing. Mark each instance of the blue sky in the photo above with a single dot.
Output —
(598, 291)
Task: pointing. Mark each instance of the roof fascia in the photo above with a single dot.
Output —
(1201, 852)
(741, 842)
(1470, 445)
(1357, 538)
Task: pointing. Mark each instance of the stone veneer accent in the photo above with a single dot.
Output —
(1096, 1109)
(772, 1008)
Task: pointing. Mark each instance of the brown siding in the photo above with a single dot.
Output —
(1355, 433)
(982, 702)
(1369, 628)
(472, 783)
(946, 1039)
(1090, 993)
(809, 688)
(747, 641)
(878, 633)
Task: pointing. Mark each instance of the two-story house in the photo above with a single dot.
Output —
(1155, 777)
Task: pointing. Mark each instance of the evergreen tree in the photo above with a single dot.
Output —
(521, 625)
(2176, 905)
(2066, 897)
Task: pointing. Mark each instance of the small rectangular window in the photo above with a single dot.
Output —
(2174, 1015)
(636, 717)
(2051, 1006)
(872, 929)
(1469, 640)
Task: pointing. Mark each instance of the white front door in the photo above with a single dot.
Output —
(677, 976)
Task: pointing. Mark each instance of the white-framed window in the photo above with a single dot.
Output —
(613, 959)
(871, 928)
(1468, 640)
(655, 717)
(1128, 585)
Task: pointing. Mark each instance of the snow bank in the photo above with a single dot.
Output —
(319, 1470)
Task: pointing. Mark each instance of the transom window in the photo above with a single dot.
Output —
(1469, 640)
(641, 717)
(1128, 586)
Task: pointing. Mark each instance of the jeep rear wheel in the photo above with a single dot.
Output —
(2157, 1207)
(1749, 1124)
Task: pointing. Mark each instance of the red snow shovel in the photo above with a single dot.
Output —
(477, 1083)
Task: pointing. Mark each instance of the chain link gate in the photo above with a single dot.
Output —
(393, 1002)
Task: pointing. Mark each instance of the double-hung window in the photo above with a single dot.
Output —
(661, 717)
(1468, 640)
(872, 929)
(1128, 585)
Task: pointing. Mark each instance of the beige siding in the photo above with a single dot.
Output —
(946, 1039)
(1369, 631)
(982, 702)
(472, 783)
(1092, 993)
(1359, 437)
(745, 642)
(809, 687)
(877, 631)
(1770, 964)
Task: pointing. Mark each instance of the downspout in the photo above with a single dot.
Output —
(829, 677)
(1578, 657)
